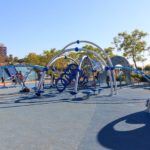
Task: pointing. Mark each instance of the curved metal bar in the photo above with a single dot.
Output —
(111, 73)
(105, 64)
(72, 49)
(135, 71)
(77, 76)
(65, 57)
(64, 50)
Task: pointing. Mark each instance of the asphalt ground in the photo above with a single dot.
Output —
(59, 121)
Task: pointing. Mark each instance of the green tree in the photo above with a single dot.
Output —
(147, 67)
(132, 45)
(21, 60)
(10, 59)
(32, 58)
(90, 47)
(73, 55)
(48, 55)
(15, 59)
(109, 51)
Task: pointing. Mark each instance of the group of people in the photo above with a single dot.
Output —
(15, 78)
(18, 78)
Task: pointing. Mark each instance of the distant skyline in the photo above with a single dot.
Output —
(36, 25)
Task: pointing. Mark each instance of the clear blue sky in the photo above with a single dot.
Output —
(36, 25)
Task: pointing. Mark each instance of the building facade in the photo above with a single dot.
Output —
(3, 50)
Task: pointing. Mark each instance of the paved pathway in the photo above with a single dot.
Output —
(56, 122)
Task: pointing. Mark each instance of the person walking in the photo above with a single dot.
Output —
(3, 81)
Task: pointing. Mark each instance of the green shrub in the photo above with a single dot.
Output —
(136, 77)
(147, 68)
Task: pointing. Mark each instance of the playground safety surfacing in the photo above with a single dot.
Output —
(60, 122)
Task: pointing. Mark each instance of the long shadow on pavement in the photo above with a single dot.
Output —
(125, 137)
(28, 100)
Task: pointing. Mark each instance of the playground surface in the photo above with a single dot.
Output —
(60, 122)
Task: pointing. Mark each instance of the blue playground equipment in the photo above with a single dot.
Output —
(68, 75)
(76, 73)
(8, 72)
(131, 69)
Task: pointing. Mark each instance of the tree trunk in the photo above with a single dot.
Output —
(134, 62)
